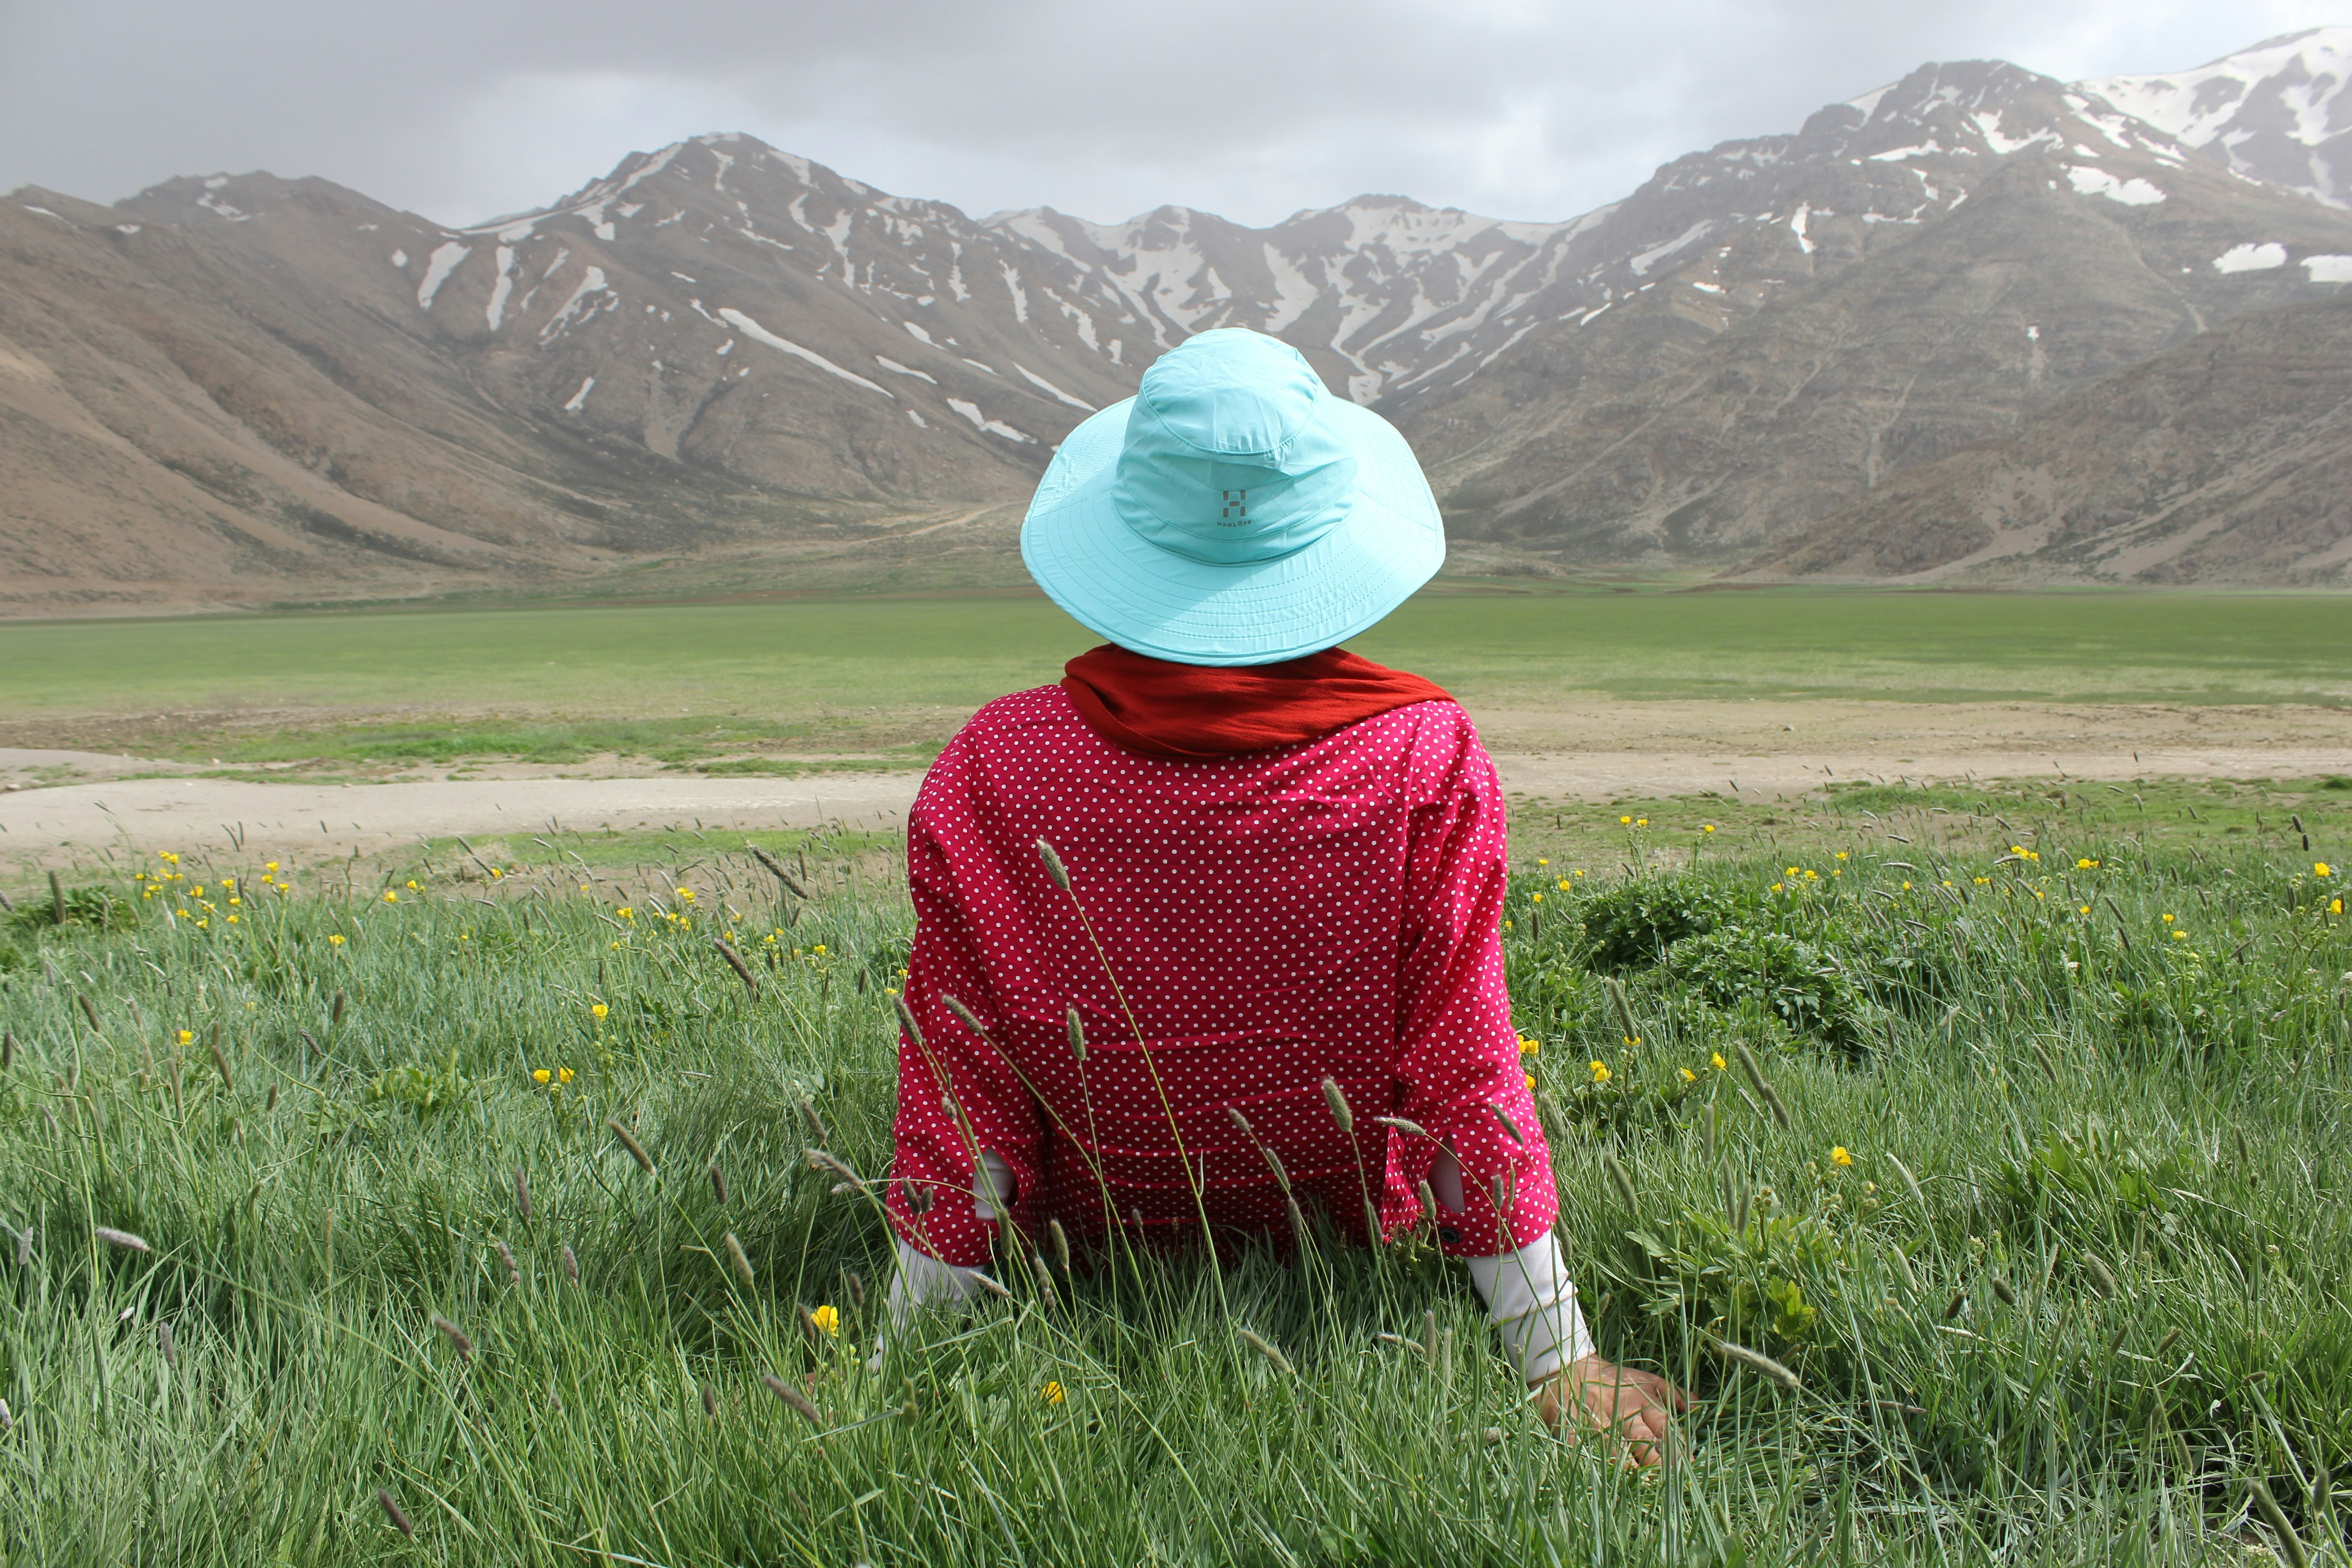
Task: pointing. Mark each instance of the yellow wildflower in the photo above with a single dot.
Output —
(390, 897)
(1641, 822)
(687, 893)
(335, 939)
(1529, 1045)
(539, 1075)
(2085, 864)
(1840, 1156)
(563, 1075)
(1716, 1057)
(2321, 868)
(2180, 935)
(1539, 897)
(187, 1037)
(828, 1319)
(597, 1011)
(271, 868)
(2168, 919)
(1542, 862)
(1688, 1076)
(1052, 1394)
(1600, 1071)
(627, 913)
(1706, 827)
(1840, 854)
(1624, 822)
(413, 886)
(2337, 908)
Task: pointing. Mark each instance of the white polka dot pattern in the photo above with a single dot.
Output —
(1269, 920)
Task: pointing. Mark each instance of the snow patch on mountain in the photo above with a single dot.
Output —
(759, 334)
(2281, 111)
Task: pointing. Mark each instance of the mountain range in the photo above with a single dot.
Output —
(1951, 328)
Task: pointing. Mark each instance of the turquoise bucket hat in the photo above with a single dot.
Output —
(1232, 511)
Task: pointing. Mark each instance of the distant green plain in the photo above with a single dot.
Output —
(870, 674)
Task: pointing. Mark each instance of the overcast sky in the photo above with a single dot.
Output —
(461, 110)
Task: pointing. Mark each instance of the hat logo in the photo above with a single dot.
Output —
(1237, 504)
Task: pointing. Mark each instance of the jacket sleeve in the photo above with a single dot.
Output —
(1458, 1059)
(957, 1096)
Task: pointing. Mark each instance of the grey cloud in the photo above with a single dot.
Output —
(461, 107)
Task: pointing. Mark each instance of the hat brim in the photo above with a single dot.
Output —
(1156, 601)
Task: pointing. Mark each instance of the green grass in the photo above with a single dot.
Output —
(2078, 1095)
(683, 682)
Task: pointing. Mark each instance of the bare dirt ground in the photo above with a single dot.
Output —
(63, 808)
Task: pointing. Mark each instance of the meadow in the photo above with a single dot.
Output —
(400, 1222)
(679, 681)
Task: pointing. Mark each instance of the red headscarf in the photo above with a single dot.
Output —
(1192, 711)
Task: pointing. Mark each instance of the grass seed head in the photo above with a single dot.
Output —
(1264, 1348)
(815, 1122)
(506, 1256)
(456, 1338)
(824, 1160)
(1759, 1364)
(1374, 1231)
(1297, 1220)
(164, 1342)
(907, 1021)
(991, 1286)
(1428, 1203)
(8, 1049)
(121, 1238)
(335, 1015)
(709, 1402)
(1910, 1181)
(2290, 1543)
(799, 1401)
(1952, 1308)
(963, 1015)
(1338, 1101)
(1902, 1267)
(738, 1260)
(628, 1140)
(1054, 867)
(1410, 1129)
(25, 1248)
(2101, 1275)
(1234, 1114)
(1061, 1244)
(1623, 1182)
(570, 1265)
(391, 1511)
(1509, 1126)
(221, 1061)
(1274, 1164)
(717, 1184)
(2172, 1337)
(1077, 1028)
(522, 1194)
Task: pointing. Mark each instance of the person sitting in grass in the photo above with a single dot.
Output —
(1211, 929)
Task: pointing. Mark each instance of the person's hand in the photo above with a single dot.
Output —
(1635, 1409)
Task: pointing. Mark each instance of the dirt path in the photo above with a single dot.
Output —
(304, 822)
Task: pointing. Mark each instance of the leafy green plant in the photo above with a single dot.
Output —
(1631, 924)
(1802, 985)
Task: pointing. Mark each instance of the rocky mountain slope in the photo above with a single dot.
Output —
(231, 389)
(1913, 271)
(2224, 458)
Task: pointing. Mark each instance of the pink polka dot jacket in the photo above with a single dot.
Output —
(1265, 920)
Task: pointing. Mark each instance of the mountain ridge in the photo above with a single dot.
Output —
(722, 347)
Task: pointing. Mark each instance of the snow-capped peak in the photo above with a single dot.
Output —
(2279, 111)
